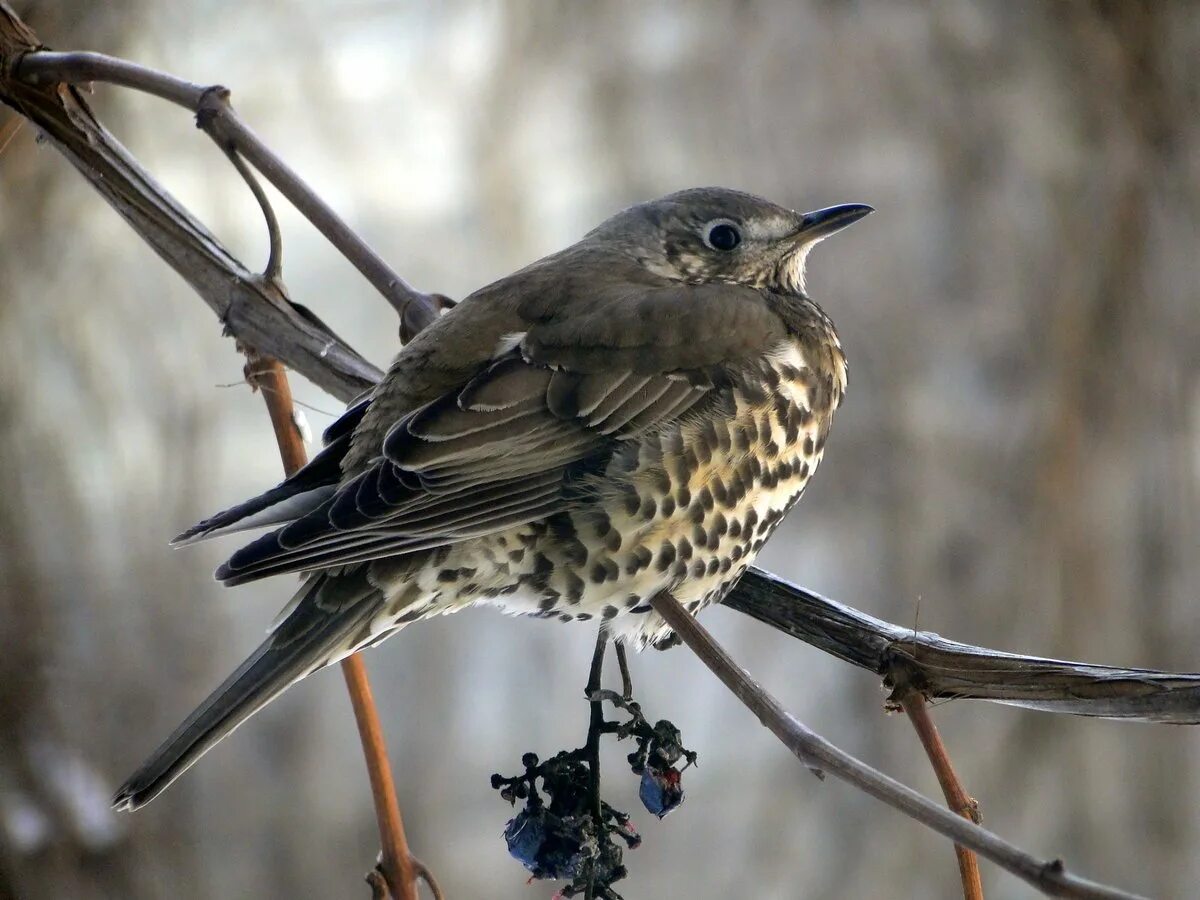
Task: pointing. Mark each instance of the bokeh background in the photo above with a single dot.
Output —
(1017, 463)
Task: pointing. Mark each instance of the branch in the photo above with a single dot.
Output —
(945, 669)
(255, 311)
(216, 115)
(397, 864)
(1048, 876)
(956, 795)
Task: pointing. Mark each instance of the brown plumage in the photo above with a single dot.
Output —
(633, 414)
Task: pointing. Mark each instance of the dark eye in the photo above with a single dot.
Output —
(723, 236)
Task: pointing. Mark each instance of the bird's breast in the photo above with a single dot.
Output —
(684, 509)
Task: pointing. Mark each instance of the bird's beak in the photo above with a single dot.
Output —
(818, 225)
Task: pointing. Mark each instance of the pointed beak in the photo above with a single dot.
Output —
(815, 226)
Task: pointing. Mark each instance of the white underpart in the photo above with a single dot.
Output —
(508, 343)
(794, 274)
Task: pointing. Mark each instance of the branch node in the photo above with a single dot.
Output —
(379, 885)
(904, 679)
(214, 101)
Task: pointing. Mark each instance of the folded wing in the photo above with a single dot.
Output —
(502, 449)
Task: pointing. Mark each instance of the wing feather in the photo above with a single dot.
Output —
(496, 451)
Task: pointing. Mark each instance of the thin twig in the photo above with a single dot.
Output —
(422, 871)
(217, 117)
(397, 861)
(956, 795)
(623, 665)
(268, 376)
(397, 865)
(1048, 876)
(592, 748)
(274, 267)
(378, 884)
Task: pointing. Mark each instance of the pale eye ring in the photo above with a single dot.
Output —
(722, 235)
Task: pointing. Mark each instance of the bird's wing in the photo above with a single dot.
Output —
(498, 450)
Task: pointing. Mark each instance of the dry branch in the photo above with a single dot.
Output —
(258, 313)
(216, 116)
(945, 669)
(956, 795)
(397, 865)
(1048, 876)
(254, 310)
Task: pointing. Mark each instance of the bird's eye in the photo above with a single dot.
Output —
(722, 236)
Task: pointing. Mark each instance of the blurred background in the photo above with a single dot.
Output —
(1017, 463)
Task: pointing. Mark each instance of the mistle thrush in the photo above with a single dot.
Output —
(633, 414)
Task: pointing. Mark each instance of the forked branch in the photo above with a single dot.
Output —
(217, 117)
(1048, 876)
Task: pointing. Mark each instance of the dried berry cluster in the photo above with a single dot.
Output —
(564, 830)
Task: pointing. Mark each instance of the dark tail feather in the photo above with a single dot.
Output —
(322, 627)
(301, 493)
(280, 505)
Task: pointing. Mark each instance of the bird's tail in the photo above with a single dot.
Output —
(331, 616)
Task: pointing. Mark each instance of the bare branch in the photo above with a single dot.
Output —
(397, 861)
(396, 865)
(274, 268)
(422, 871)
(1048, 876)
(255, 311)
(46, 68)
(956, 795)
(216, 115)
(942, 668)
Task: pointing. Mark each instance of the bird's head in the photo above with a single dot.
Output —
(707, 235)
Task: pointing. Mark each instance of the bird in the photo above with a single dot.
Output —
(631, 415)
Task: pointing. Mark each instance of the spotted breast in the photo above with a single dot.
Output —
(684, 509)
